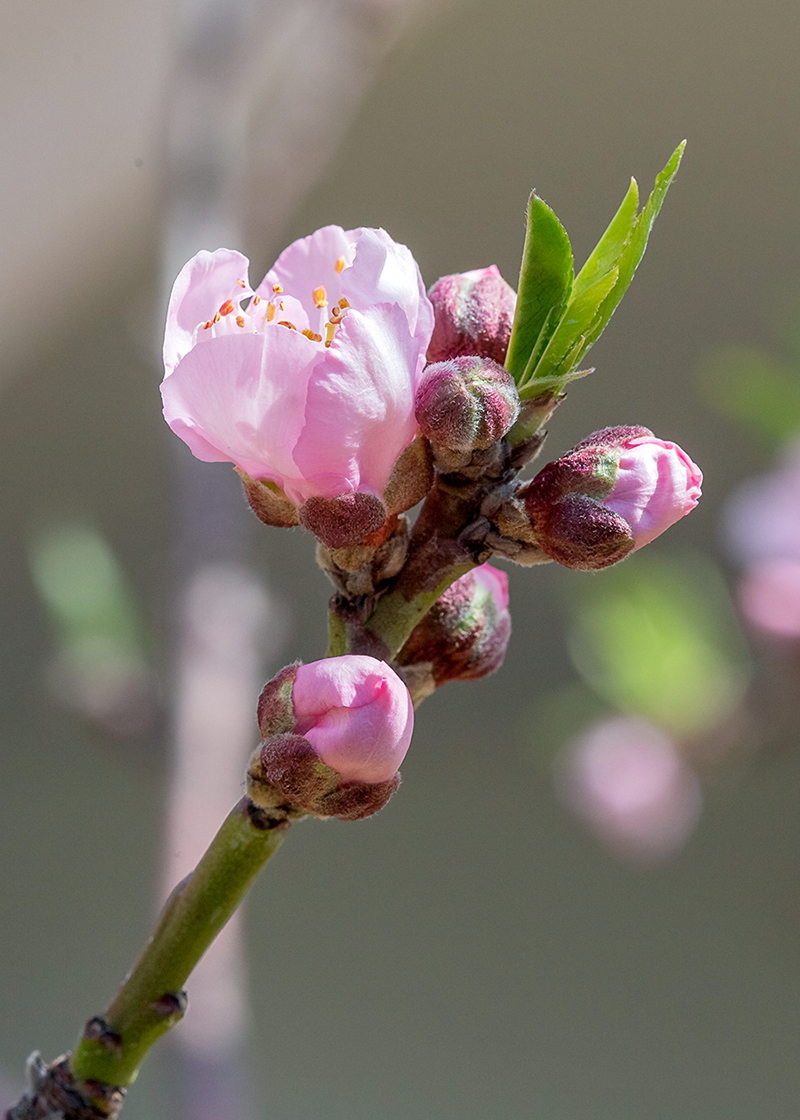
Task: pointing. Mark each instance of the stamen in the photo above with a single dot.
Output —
(319, 296)
(286, 323)
(239, 320)
(241, 283)
(227, 307)
(312, 335)
(216, 318)
(340, 263)
(256, 300)
(207, 325)
(343, 302)
(282, 305)
(270, 311)
(277, 288)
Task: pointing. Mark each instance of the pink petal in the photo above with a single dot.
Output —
(202, 287)
(360, 404)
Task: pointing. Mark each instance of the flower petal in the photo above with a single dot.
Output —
(202, 287)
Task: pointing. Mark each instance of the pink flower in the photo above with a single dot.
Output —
(357, 715)
(628, 782)
(614, 492)
(308, 382)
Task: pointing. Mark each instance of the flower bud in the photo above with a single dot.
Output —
(464, 635)
(617, 490)
(474, 314)
(334, 734)
(466, 403)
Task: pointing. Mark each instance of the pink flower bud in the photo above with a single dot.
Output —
(474, 315)
(335, 733)
(615, 491)
(466, 403)
(357, 715)
(464, 635)
(306, 383)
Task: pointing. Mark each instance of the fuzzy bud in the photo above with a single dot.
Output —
(466, 403)
(474, 315)
(464, 635)
(617, 490)
(334, 734)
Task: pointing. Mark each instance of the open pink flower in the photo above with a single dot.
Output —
(307, 382)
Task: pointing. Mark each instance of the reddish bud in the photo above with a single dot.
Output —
(474, 314)
(464, 635)
(466, 403)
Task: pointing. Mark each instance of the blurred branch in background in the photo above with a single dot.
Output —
(260, 96)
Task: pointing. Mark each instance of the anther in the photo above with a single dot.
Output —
(319, 295)
(227, 307)
(286, 323)
(340, 263)
(277, 288)
(256, 300)
(343, 302)
(270, 311)
(312, 335)
(241, 283)
(240, 320)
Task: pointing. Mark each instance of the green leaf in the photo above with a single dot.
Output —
(633, 250)
(545, 281)
(610, 246)
(567, 343)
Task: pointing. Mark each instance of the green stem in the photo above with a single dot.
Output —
(151, 1000)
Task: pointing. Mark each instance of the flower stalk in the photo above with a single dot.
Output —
(152, 1000)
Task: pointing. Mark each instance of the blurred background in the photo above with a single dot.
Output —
(585, 900)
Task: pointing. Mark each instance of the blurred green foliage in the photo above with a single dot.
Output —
(658, 637)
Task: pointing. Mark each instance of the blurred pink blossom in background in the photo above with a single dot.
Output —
(627, 781)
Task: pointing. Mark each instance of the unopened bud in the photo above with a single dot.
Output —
(474, 315)
(334, 734)
(617, 490)
(466, 403)
(464, 635)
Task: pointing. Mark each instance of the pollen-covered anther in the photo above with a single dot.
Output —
(340, 264)
(277, 288)
(343, 303)
(320, 297)
(227, 307)
(217, 317)
(270, 311)
(256, 301)
(312, 335)
(240, 321)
